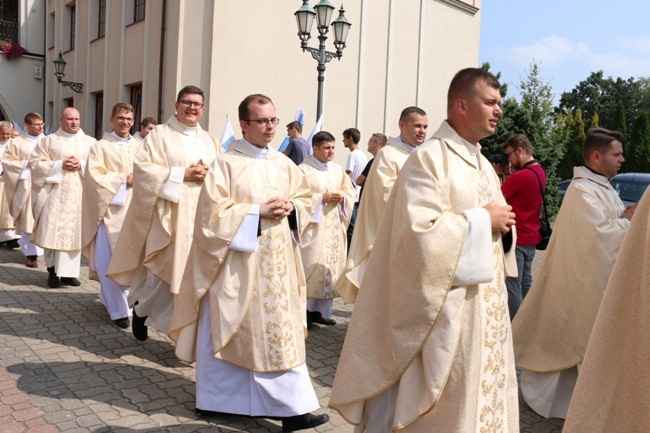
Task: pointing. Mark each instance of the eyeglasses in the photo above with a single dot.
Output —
(186, 103)
(508, 153)
(125, 119)
(38, 125)
(264, 122)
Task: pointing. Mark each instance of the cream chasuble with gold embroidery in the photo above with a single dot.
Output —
(613, 389)
(109, 162)
(431, 326)
(257, 299)
(157, 232)
(324, 241)
(58, 192)
(380, 181)
(18, 180)
(6, 221)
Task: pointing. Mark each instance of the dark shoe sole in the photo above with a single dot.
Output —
(122, 323)
(67, 281)
(138, 327)
(307, 421)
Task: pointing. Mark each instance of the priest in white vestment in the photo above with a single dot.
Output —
(613, 389)
(8, 236)
(324, 243)
(57, 165)
(551, 329)
(152, 249)
(240, 313)
(413, 126)
(429, 346)
(17, 179)
(107, 194)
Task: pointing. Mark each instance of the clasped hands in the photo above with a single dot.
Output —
(501, 216)
(71, 163)
(196, 172)
(276, 208)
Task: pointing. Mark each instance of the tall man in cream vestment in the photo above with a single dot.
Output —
(17, 179)
(152, 249)
(552, 327)
(240, 313)
(57, 164)
(324, 243)
(429, 348)
(107, 193)
(613, 390)
(413, 126)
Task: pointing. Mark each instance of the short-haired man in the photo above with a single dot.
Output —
(240, 313)
(58, 163)
(375, 144)
(107, 194)
(147, 125)
(413, 124)
(353, 167)
(524, 191)
(8, 236)
(18, 184)
(324, 243)
(298, 147)
(553, 325)
(428, 348)
(151, 252)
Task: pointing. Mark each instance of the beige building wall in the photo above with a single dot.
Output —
(399, 53)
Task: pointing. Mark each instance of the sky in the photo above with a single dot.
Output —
(569, 39)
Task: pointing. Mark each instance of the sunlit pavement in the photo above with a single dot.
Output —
(65, 367)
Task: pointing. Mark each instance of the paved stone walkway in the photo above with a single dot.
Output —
(65, 367)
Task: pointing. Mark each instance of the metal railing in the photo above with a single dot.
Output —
(9, 30)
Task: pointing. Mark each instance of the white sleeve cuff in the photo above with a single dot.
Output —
(171, 189)
(246, 237)
(476, 264)
(56, 173)
(318, 213)
(119, 199)
(25, 174)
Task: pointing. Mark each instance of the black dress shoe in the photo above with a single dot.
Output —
(302, 422)
(70, 281)
(122, 323)
(52, 280)
(317, 317)
(139, 329)
(13, 243)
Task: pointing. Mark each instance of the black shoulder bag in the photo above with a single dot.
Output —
(545, 229)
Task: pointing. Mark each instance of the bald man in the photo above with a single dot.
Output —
(57, 164)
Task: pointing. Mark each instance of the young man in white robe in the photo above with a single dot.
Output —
(8, 236)
(240, 313)
(151, 252)
(429, 346)
(107, 194)
(413, 126)
(57, 165)
(17, 178)
(324, 243)
(551, 329)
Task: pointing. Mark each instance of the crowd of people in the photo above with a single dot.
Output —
(235, 253)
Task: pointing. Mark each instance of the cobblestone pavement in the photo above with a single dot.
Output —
(65, 367)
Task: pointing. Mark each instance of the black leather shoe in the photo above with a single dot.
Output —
(13, 243)
(122, 323)
(310, 321)
(138, 327)
(52, 280)
(70, 281)
(317, 317)
(302, 422)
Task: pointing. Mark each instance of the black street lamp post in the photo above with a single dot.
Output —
(341, 26)
(59, 68)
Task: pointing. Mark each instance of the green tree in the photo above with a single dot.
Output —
(575, 130)
(595, 119)
(620, 122)
(637, 151)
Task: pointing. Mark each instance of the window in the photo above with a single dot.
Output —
(136, 101)
(68, 102)
(73, 19)
(101, 21)
(50, 31)
(138, 11)
(99, 114)
(9, 19)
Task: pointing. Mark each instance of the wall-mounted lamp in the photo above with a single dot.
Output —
(59, 68)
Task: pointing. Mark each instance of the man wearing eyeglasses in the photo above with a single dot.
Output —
(57, 164)
(154, 243)
(108, 185)
(18, 184)
(245, 277)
